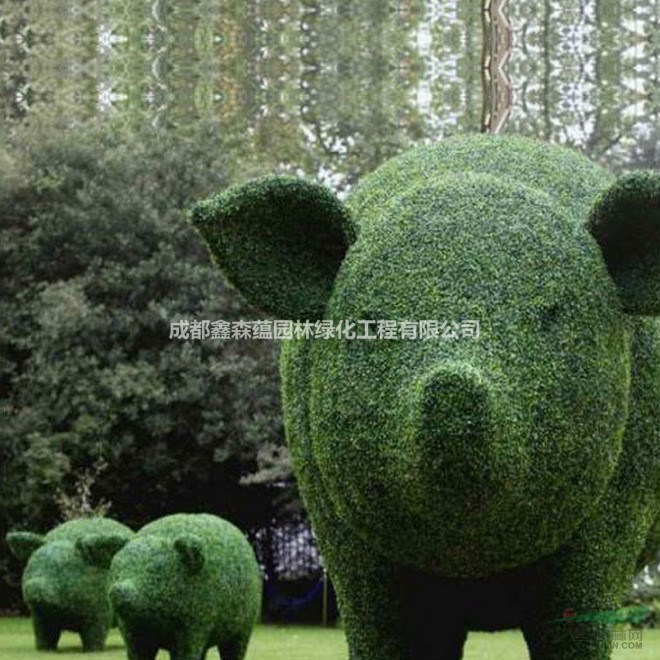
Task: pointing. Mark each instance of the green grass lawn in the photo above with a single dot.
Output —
(294, 643)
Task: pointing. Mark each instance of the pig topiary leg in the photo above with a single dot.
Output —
(137, 648)
(188, 649)
(589, 578)
(389, 612)
(389, 616)
(574, 641)
(182, 654)
(46, 633)
(549, 637)
(590, 583)
(139, 653)
(93, 635)
(235, 648)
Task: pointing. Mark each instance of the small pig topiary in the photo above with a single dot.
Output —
(185, 583)
(468, 484)
(61, 589)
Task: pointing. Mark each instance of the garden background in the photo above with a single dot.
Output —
(116, 116)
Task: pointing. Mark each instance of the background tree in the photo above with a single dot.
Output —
(97, 259)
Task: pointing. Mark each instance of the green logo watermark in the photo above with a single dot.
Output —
(620, 638)
(633, 615)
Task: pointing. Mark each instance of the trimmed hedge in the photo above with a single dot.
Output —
(61, 589)
(185, 583)
(459, 485)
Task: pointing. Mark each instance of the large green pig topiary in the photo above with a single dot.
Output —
(469, 484)
(184, 583)
(61, 589)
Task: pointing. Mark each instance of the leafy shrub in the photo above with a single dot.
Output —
(96, 261)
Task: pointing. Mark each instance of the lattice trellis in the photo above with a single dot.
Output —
(586, 73)
(346, 84)
(337, 86)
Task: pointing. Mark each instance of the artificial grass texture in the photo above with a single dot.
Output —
(62, 590)
(298, 643)
(505, 480)
(287, 210)
(185, 583)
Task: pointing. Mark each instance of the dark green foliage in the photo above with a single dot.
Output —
(62, 590)
(248, 229)
(467, 484)
(96, 260)
(185, 583)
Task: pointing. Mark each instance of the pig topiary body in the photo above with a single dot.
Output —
(468, 484)
(185, 583)
(62, 590)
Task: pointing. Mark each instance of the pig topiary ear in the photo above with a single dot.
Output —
(191, 552)
(99, 549)
(23, 544)
(279, 240)
(625, 220)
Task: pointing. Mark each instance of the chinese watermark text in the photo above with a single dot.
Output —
(326, 329)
